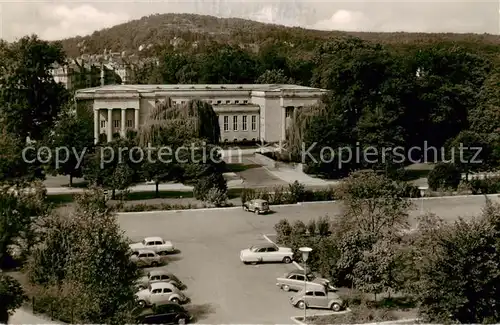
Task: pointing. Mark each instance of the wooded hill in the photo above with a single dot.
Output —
(159, 29)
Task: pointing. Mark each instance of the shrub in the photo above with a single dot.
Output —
(408, 190)
(444, 176)
(311, 227)
(323, 226)
(248, 194)
(283, 231)
(205, 184)
(299, 228)
(489, 185)
(296, 191)
(217, 197)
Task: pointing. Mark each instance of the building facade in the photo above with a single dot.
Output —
(248, 112)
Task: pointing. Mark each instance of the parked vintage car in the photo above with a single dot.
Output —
(266, 253)
(159, 276)
(257, 206)
(169, 313)
(156, 244)
(160, 293)
(295, 281)
(313, 297)
(145, 258)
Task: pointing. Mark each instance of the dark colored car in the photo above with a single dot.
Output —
(170, 313)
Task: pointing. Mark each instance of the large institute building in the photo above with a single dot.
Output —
(246, 112)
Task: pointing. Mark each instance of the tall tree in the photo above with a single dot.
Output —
(29, 96)
(86, 253)
(274, 77)
(18, 211)
(12, 297)
(115, 166)
(459, 282)
(71, 140)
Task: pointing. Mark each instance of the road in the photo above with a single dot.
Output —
(222, 289)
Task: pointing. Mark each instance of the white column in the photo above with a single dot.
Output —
(110, 121)
(96, 125)
(283, 123)
(136, 119)
(122, 122)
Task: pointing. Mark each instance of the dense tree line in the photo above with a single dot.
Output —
(449, 271)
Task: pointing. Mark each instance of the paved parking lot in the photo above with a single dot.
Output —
(221, 288)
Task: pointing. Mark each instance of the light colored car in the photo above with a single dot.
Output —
(145, 258)
(313, 297)
(160, 293)
(257, 206)
(295, 281)
(156, 244)
(266, 253)
(159, 276)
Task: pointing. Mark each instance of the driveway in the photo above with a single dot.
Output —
(256, 176)
(221, 288)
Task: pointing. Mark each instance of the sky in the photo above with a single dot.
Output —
(58, 19)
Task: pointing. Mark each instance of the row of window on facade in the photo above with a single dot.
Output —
(244, 123)
(117, 123)
(214, 102)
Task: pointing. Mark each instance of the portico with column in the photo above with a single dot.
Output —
(106, 115)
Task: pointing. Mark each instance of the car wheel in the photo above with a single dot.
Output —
(142, 303)
(245, 208)
(287, 260)
(175, 300)
(285, 288)
(257, 211)
(246, 263)
(154, 264)
(181, 321)
(335, 307)
(301, 304)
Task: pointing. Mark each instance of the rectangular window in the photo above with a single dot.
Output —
(236, 101)
(226, 123)
(228, 102)
(245, 102)
(219, 101)
(244, 123)
(129, 123)
(116, 123)
(254, 123)
(235, 123)
(103, 124)
(288, 112)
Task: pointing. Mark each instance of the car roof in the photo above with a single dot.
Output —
(161, 285)
(153, 239)
(160, 272)
(264, 245)
(299, 272)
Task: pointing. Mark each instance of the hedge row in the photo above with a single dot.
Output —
(490, 185)
(141, 207)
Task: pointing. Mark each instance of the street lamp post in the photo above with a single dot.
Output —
(305, 254)
(422, 194)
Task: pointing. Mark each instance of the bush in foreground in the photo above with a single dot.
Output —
(83, 260)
